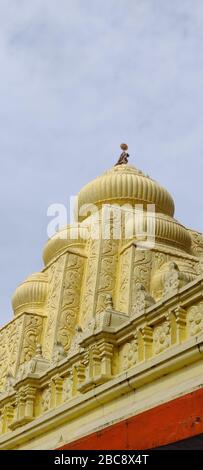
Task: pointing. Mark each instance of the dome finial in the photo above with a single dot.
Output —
(123, 159)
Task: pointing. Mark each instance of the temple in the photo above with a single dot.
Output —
(105, 348)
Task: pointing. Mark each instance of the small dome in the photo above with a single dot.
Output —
(125, 184)
(30, 296)
(58, 244)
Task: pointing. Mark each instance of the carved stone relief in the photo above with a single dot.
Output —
(161, 337)
(125, 279)
(128, 355)
(55, 276)
(31, 337)
(195, 319)
(9, 349)
(46, 399)
(71, 298)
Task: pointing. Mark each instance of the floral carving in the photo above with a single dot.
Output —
(161, 337)
(159, 259)
(107, 278)
(32, 335)
(172, 279)
(125, 277)
(9, 349)
(55, 284)
(195, 319)
(90, 282)
(142, 300)
(142, 267)
(197, 243)
(129, 355)
(100, 277)
(70, 303)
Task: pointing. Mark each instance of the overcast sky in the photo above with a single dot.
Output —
(76, 79)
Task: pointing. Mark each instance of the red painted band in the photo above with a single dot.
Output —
(171, 422)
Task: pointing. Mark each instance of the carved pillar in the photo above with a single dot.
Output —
(81, 373)
(7, 417)
(106, 354)
(94, 370)
(30, 394)
(32, 333)
(90, 283)
(125, 279)
(25, 406)
(68, 386)
(141, 269)
(70, 299)
(107, 272)
(100, 276)
(145, 350)
(11, 337)
(20, 405)
(178, 325)
(55, 276)
(135, 266)
(98, 364)
(63, 300)
(58, 390)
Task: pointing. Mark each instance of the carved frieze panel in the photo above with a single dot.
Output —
(126, 259)
(158, 260)
(6, 417)
(100, 277)
(197, 243)
(32, 333)
(55, 277)
(107, 272)
(128, 355)
(141, 301)
(195, 319)
(70, 299)
(46, 399)
(67, 388)
(90, 282)
(161, 337)
(10, 346)
(142, 267)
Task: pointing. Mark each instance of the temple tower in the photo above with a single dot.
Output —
(105, 345)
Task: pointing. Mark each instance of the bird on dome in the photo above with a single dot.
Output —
(123, 159)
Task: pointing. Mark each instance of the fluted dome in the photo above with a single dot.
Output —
(167, 230)
(125, 184)
(30, 296)
(66, 237)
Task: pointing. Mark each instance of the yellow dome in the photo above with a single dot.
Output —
(125, 184)
(30, 296)
(167, 230)
(66, 237)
